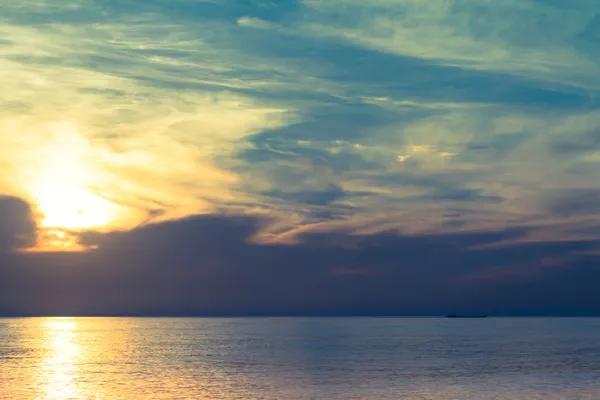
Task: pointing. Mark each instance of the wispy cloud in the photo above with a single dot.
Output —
(421, 117)
(530, 38)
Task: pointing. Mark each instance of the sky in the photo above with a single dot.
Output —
(299, 157)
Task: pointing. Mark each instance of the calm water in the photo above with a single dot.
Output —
(299, 358)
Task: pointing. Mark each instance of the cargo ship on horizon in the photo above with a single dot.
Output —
(455, 315)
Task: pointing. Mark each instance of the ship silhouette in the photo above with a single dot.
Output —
(455, 315)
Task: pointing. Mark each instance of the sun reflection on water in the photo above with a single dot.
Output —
(61, 367)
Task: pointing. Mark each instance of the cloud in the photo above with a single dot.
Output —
(208, 265)
(586, 143)
(17, 226)
(577, 202)
(251, 22)
(523, 37)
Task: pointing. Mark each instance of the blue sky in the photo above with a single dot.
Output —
(415, 119)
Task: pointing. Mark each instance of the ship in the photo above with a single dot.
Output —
(455, 315)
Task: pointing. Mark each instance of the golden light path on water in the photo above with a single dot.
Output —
(121, 358)
(60, 368)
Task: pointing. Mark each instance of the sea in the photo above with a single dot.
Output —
(299, 358)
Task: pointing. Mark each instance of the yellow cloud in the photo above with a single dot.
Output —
(92, 150)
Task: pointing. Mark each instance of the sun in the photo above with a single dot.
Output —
(63, 186)
(72, 207)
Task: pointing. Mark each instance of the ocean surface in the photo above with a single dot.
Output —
(299, 358)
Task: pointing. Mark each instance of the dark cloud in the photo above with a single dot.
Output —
(440, 187)
(300, 179)
(207, 265)
(491, 148)
(588, 142)
(590, 36)
(311, 197)
(457, 194)
(576, 202)
(17, 227)
(346, 121)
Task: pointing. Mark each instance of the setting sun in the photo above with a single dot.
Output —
(63, 188)
(73, 208)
